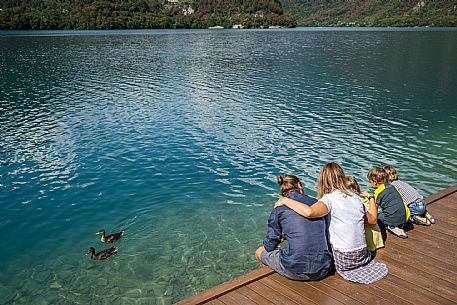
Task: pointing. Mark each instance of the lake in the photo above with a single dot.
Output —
(177, 136)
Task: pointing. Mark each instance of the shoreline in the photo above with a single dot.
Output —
(4, 33)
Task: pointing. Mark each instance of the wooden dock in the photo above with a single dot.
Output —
(422, 270)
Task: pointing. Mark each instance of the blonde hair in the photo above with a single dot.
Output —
(391, 173)
(288, 184)
(352, 184)
(377, 174)
(331, 178)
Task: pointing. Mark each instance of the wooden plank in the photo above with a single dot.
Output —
(367, 294)
(430, 246)
(348, 300)
(391, 288)
(442, 212)
(236, 298)
(434, 265)
(408, 272)
(441, 207)
(432, 232)
(446, 192)
(306, 290)
(448, 201)
(451, 198)
(422, 233)
(445, 213)
(442, 225)
(397, 294)
(215, 302)
(256, 297)
(419, 292)
(438, 259)
(275, 296)
(286, 291)
(223, 288)
(433, 249)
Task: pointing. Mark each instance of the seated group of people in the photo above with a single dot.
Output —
(342, 228)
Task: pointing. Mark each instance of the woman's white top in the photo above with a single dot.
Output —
(346, 230)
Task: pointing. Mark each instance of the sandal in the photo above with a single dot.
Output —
(397, 231)
(429, 217)
(420, 220)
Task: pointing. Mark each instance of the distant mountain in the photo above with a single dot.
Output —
(139, 14)
(372, 12)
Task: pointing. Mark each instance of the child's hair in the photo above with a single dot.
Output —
(288, 184)
(391, 173)
(377, 174)
(331, 178)
(352, 184)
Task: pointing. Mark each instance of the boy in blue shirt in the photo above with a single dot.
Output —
(307, 255)
(393, 214)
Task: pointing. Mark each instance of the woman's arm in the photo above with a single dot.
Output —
(318, 209)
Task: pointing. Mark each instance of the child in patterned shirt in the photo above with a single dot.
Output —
(411, 197)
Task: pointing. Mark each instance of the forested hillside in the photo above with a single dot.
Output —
(372, 12)
(138, 14)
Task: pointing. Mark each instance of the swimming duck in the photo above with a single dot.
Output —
(104, 254)
(110, 238)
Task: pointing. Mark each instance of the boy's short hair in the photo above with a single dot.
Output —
(391, 173)
(378, 174)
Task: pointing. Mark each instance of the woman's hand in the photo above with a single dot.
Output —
(280, 202)
(365, 194)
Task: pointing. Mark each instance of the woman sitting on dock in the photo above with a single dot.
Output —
(307, 255)
(347, 216)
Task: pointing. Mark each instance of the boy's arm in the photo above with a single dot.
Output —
(274, 232)
(318, 209)
(371, 216)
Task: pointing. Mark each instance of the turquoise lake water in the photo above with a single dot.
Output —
(176, 137)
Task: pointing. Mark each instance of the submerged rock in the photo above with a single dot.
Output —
(40, 300)
(42, 276)
(133, 293)
(55, 285)
(6, 294)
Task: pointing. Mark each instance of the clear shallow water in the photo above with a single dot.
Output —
(176, 137)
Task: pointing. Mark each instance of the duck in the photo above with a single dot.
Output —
(104, 254)
(110, 238)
